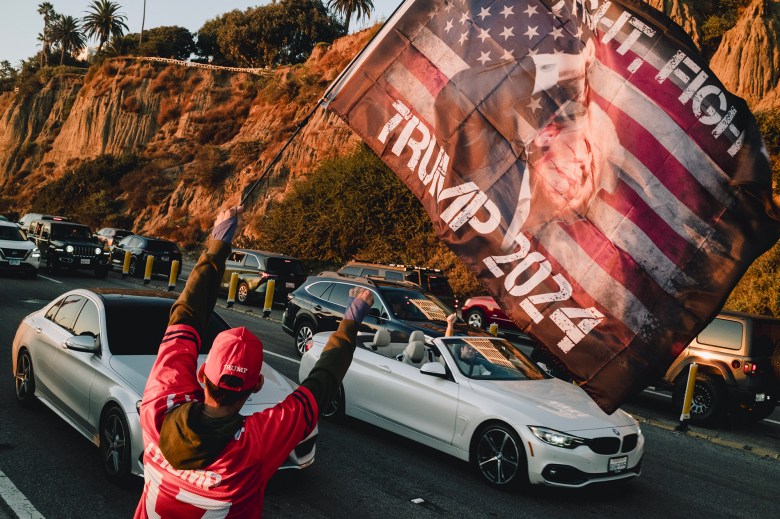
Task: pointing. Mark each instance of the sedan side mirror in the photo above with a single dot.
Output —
(434, 369)
(85, 343)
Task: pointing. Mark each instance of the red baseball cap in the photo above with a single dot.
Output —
(236, 352)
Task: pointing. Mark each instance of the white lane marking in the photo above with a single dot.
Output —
(771, 421)
(49, 279)
(16, 501)
(283, 357)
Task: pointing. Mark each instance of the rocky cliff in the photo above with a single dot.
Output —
(171, 114)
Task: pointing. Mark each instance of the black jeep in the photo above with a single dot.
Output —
(68, 245)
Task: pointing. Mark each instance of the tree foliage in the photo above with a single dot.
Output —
(89, 192)
(355, 207)
(275, 34)
(359, 8)
(104, 21)
(164, 42)
(67, 33)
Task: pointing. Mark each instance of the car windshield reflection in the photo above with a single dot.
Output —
(413, 305)
(484, 358)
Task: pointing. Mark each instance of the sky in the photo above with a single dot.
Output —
(20, 22)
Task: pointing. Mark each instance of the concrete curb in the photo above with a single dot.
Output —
(712, 437)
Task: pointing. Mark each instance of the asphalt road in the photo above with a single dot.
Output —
(362, 471)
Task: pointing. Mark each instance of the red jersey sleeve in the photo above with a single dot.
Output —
(173, 379)
(275, 432)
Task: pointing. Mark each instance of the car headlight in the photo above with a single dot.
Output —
(556, 438)
(98, 251)
(36, 253)
(69, 249)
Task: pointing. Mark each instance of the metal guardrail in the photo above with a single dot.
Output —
(171, 61)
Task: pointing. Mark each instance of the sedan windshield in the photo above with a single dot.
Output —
(486, 358)
(414, 305)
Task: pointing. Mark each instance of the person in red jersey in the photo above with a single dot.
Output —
(201, 456)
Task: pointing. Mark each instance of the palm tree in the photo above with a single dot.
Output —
(103, 21)
(67, 32)
(46, 10)
(360, 8)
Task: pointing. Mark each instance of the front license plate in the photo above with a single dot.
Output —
(289, 285)
(85, 262)
(14, 262)
(760, 397)
(618, 464)
(165, 258)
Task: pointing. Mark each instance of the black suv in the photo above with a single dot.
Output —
(255, 268)
(69, 245)
(738, 357)
(140, 248)
(401, 307)
(431, 280)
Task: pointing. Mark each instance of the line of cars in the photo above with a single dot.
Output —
(57, 243)
(409, 316)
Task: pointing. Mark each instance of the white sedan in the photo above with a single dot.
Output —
(482, 400)
(87, 355)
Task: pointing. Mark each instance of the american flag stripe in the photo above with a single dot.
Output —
(637, 106)
(648, 149)
(599, 285)
(415, 92)
(666, 96)
(670, 206)
(423, 70)
(649, 245)
(437, 52)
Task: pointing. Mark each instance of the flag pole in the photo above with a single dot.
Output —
(298, 128)
(337, 83)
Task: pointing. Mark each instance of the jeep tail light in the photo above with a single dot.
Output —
(750, 368)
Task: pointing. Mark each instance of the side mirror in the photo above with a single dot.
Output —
(433, 369)
(85, 343)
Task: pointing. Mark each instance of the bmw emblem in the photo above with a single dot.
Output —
(617, 433)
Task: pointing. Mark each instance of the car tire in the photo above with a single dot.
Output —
(132, 269)
(499, 456)
(335, 410)
(304, 331)
(242, 294)
(24, 379)
(475, 318)
(115, 446)
(708, 403)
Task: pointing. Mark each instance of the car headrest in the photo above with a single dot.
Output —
(381, 338)
(417, 335)
(415, 351)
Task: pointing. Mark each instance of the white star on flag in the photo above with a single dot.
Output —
(508, 31)
(531, 32)
(484, 57)
(531, 11)
(508, 9)
(484, 13)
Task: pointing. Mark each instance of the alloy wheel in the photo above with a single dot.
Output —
(498, 456)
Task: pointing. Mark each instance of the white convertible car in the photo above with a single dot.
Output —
(87, 355)
(482, 400)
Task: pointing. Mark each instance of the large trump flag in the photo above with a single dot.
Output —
(584, 163)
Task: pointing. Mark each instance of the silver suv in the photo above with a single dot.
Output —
(739, 369)
(16, 252)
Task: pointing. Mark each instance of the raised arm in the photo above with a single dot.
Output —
(326, 375)
(197, 300)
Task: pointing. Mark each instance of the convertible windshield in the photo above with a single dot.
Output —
(486, 358)
(414, 305)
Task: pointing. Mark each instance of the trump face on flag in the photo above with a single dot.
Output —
(584, 163)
